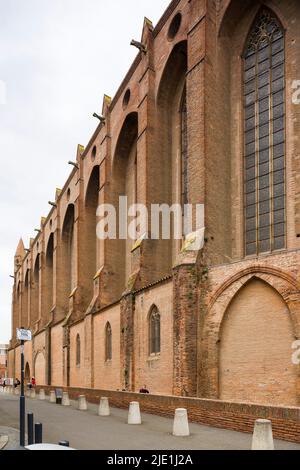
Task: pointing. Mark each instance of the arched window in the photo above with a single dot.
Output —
(108, 343)
(264, 108)
(78, 350)
(154, 331)
(184, 150)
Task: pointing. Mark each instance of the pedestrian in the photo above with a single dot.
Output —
(3, 384)
(33, 382)
(17, 383)
(144, 389)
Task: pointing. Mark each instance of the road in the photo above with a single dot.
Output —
(87, 431)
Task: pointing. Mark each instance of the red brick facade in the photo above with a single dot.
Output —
(228, 321)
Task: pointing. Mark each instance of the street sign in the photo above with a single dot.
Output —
(23, 335)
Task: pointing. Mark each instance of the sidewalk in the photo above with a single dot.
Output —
(87, 431)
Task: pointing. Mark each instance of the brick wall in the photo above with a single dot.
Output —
(220, 414)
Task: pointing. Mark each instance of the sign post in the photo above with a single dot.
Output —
(22, 335)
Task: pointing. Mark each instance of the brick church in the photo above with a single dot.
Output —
(205, 115)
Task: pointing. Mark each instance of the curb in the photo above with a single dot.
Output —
(3, 442)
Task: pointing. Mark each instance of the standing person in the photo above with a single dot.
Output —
(17, 383)
(33, 382)
(3, 384)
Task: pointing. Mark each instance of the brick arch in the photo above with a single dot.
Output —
(40, 367)
(172, 68)
(124, 182)
(90, 254)
(235, 10)
(285, 286)
(127, 135)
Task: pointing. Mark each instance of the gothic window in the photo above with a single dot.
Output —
(184, 148)
(78, 350)
(264, 134)
(154, 331)
(108, 343)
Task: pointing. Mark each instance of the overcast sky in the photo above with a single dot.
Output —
(57, 60)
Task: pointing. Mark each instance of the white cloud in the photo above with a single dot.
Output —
(57, 59)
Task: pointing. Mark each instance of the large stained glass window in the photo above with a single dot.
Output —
(264, 110)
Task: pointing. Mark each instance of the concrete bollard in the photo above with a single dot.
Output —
(181, 423)
(104, 407)
(28, 393)
(82, 404)
(16, 391)
(134, 415)
(65, 399)
(52, 396)
(32, 393)
(263, 435)
(42, 395)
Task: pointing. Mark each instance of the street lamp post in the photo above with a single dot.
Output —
(22, 400)
(22, 335)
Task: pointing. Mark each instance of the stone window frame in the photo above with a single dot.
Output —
(108, 343)
(266, 230)
(78, 351)
(154, 332)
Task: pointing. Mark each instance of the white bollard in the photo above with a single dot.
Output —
(28, 393)
(181, 423)
(32, 393)
(134, 414)
(17, 391)
(42, 395)
(65, 399)
(104, 407)
(82, 405)
(263, 435)
(52, 396)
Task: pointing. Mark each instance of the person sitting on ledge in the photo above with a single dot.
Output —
(144, 389)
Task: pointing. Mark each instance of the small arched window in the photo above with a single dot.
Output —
(108, 343)
(154, 331)
(77, 350)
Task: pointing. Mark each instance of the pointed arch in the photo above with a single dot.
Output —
(40, 368)
(154, 328)
(19, 304)
(172, 144)
(124, 183)
(25, 301)
(27, 373)
(286, 289)
(48, 295)
(35, 291)
(78, 351)
(68, 255)
(264, 136)
(254, 348)
(90, 263)
(184, 149)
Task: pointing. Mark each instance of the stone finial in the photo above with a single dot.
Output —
(80, 152)
(57, 193)
(148, 23)
(106, 104)
(147, 30)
